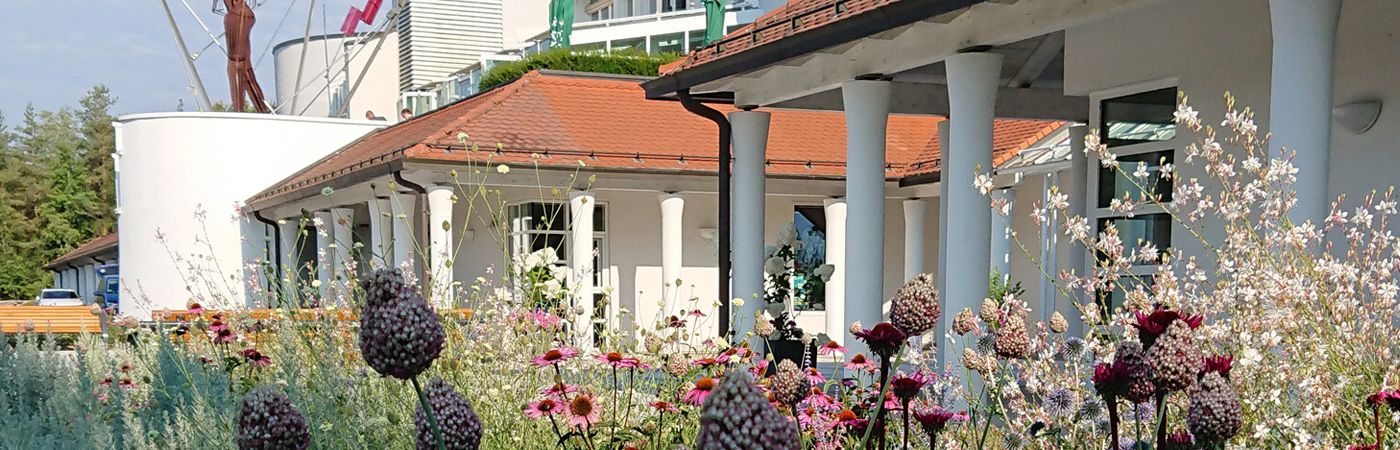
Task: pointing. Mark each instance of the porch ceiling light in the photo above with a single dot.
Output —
(1357, 117)
(707, 233)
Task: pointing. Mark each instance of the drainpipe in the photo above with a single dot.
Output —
(421, 210)
(277, 247)
(699, 109)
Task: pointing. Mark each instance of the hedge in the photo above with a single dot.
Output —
(622, 63)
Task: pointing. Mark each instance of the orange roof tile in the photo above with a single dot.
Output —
(94, 247)
(606, 122)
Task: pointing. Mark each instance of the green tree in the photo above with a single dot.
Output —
(95, 150)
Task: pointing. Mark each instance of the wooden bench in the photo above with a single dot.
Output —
(49, 319)
(294, 314)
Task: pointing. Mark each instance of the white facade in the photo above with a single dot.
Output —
(439, 37)
(183, 176)
(326, 79)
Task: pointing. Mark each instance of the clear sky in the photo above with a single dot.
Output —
(53, 51)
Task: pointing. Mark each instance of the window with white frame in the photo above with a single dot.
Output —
(809, 277)
(1139, 130)
(535, 226)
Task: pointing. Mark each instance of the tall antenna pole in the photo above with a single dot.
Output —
(305, 45)
(185, 56)
(389, 21)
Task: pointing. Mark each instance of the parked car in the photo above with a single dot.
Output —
(58, 297)
(108, 294)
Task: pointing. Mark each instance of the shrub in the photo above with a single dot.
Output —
(621, 63)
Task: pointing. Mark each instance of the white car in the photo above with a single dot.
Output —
(58, 297)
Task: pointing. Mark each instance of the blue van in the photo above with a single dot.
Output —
(109, 287)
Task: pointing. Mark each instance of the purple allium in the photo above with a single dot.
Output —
(915, 307)
(738, 417)
(1012, 339)
(461, 429)
(1214, 414)
(400, 335)
(1176, 358)
(267, 421)
(1061, 403)
(1140, 387)
(790, 384)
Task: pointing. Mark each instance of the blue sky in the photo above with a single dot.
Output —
(53, 51)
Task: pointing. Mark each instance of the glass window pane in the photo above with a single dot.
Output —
(1137, 118)
(600, 218)
(1111, 300)
(634, 44)
(696, 39)
(809, 289)
(1137, 230)
(1116, 183)
(592, 47)
(667, 43)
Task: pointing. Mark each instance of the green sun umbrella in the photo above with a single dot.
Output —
(714, 21)
(561, 21)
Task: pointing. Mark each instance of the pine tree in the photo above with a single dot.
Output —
(95, 150)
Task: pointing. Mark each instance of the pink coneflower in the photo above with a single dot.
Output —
(554, 356)
(934, 418)
(106, 382)
(664, 407)
(546, 407)
(859, 362)
(696, 313)
(618, 361)
(847, 417)
(707, 362)
(195, 309)
(831, 348)
(907, 387)
(759, 368)
(225, 336)
(583, 412)
(883, 339)
(675, 322)
(820, 399)
(218, 325)
(702, 389)
(257, 358)
(126, 383)
(814, 376)
(558, 390)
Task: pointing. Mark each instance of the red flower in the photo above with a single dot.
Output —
(883, 340)
(257, 358)
(934, 418)
(1362, 447)
(1219, 364)
(1111, 380)
(664, 407)
(907, 387)
(1152, 325)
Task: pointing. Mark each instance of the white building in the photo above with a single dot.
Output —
(1116, 65)
(314, 80)
(181, 180)
(637, 188)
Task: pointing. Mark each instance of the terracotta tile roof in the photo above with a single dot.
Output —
(91, 248)
(557, 120)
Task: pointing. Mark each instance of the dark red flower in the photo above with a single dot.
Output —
(1112, 380)
(883, 340)
(1362, 447)
(907, 387)
(933, 419)
(1178, 440)
(1152, 325)
(1219, 364)
(1393, 400)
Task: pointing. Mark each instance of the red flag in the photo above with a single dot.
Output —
(352, 20)
(371, 10)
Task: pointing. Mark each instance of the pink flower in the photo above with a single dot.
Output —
(583, 412)
(696, 313)
(542, 408)
(106, 382)
(257, 358)
(814, 376)
(195, 309)
(907, 387)
(702, 389)
(707, 362)
(558, 390)
(618, 361)
(554, 356)
(664, 407)
(831, 348)
(759, 368)
(126, 383)
(820, 399)
(225, 336)
(217, 325)
(859, 362)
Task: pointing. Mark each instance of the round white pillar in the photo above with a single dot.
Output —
(325, 265)
(867, 105)
(914, 238)
(750, 155)
(1079, 203)
(342, 254)
(1300, 105)
(581, 264)
(672, 211)
(973, 79)
(440, 248)
(943, 144)
(835, 209)
(1001, 233)
(377, 251)
(401, 207)
(290, 261)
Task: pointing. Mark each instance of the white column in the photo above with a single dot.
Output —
(1080, 200)
(943, 146)
(914, 238)
(343, 254)
(290, 261)
(867, 105)
(58, 280)
(581, 264)
(750, 155)
(440, 247)
(1300, 105)
(972, 87)
(1001, 233)
(324, 251)
(672, 211)
(380, 223)
(401, 206)
(835, 209)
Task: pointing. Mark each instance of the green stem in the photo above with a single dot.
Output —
(880, 400)
(428, 411)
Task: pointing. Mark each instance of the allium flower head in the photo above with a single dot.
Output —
(677, 367)
(385, 286)
(1151, 326)
(790, 384)
(974, 361)
(1058, 323)
(763, 328)
(461, 429)
(1061, 403)
(400, 336)
(739, 417)
(1176, 358)
(883, 339)
(1214, 414)
(915, 308)
(1013, 341)
(1134, 359)
(267, 421)
(990, 311)
(964, 322)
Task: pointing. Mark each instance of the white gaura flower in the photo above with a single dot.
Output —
(1187, 116)
(1141, 173)
(983, 183)
(1058, 200)
(1077, 228)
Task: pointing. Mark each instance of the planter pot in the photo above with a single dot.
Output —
(794, 351)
